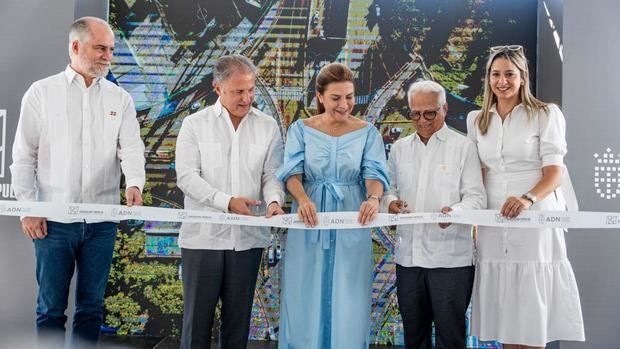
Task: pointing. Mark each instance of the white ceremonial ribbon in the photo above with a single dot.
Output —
(327, 220)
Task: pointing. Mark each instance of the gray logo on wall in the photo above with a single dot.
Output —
(182, 215)
(288, 220)
(607, 175)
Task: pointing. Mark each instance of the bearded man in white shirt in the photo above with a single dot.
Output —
(226, 158)
(434, 169)
(76, 132)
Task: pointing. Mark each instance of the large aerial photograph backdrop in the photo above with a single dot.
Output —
(164, 53)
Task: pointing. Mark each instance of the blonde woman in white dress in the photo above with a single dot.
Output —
(525, 294)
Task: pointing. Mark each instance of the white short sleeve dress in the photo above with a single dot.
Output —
(525, 290)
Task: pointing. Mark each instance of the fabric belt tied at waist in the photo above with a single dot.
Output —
(333, 189)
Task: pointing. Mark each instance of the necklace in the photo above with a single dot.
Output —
(334, 127)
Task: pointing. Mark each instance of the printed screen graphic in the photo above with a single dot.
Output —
(163, 57)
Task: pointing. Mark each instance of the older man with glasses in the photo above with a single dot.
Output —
(434, 169)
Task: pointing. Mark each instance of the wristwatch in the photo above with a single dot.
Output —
(530, 197)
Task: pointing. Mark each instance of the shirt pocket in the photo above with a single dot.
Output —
(256, 158)
(404, 179)
(527, 148)
(216, 231)
(441, 241)
(112, 125)
(211, 154)
(111, 131)
(211, 157)
(446, 183)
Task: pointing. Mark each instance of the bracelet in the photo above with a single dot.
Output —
(373, 197)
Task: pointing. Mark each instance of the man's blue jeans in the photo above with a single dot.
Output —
(88, 247)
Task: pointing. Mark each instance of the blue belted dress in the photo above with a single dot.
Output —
(327, 274)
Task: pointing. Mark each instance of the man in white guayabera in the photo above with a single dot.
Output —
(76, 132)
(435, 169)
(226, 158)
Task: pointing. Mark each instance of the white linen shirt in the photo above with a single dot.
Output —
(72, 142)
(520, 143)
(443, 173)
(215, 162)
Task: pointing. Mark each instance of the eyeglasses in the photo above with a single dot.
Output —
(429, 115)
(504, 48)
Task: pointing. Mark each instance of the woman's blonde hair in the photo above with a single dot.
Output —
(530, 103)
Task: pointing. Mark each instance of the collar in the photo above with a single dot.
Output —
(71, 75)
(219, 109)
(494, 108)
(441, 134)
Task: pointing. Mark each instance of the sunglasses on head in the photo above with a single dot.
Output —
(504, 48)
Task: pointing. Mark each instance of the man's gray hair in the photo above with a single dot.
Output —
(80, 29)
(225, 66)
(427, 86)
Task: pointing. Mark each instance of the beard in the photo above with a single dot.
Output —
(96, 69)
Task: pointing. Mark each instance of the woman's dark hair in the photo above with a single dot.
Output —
(333, 72)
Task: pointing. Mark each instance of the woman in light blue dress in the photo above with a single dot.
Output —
(333, 162)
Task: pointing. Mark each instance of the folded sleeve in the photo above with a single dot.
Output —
(273, 190)
(373, 161)
(472, 192)
(131, 147)
(552, 137)
(188, 167)
(294, 152)
(472, 128)
(26, 146)
(391, 193)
